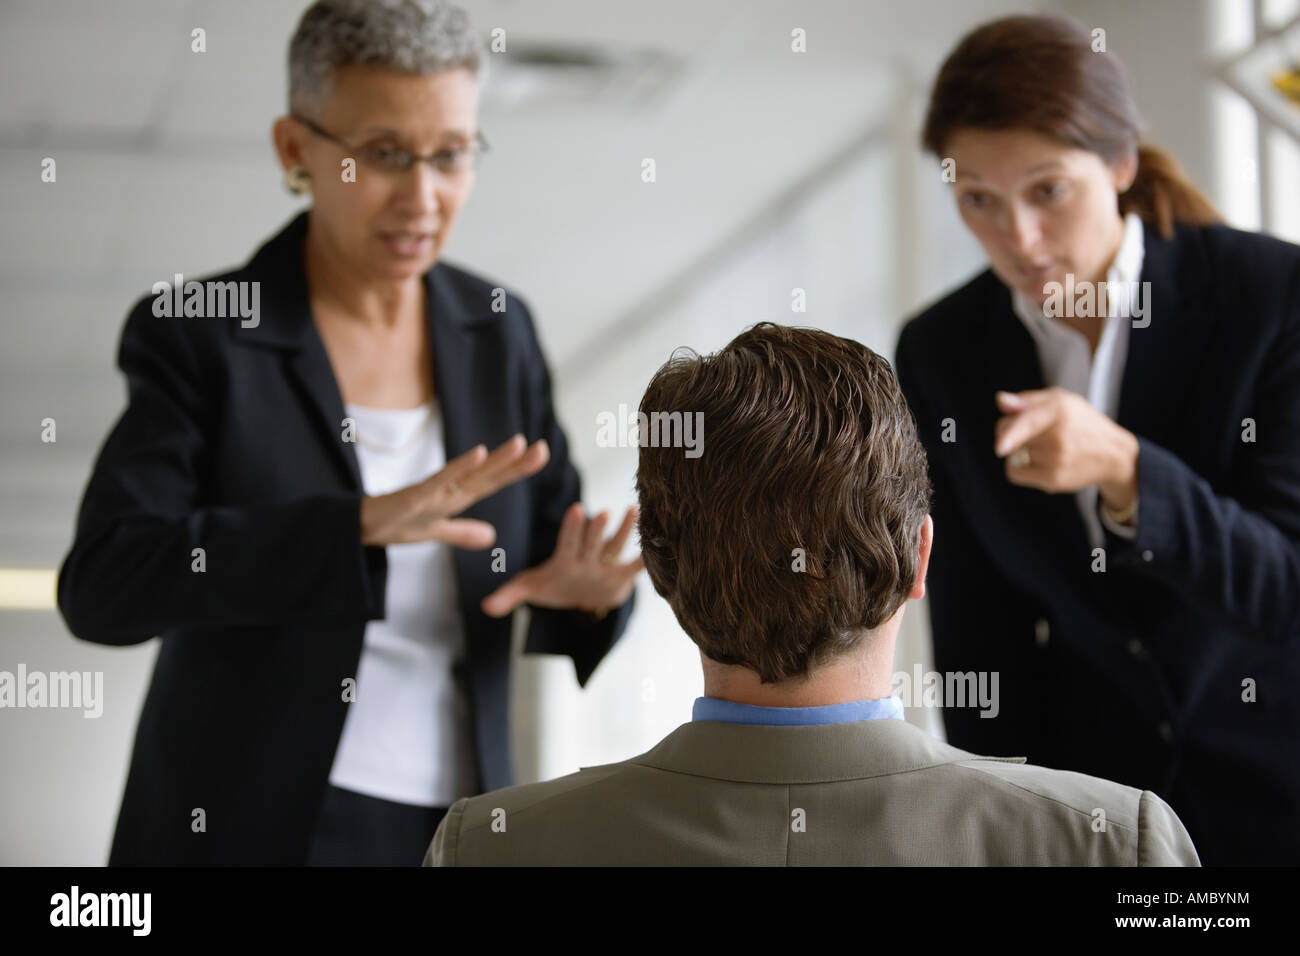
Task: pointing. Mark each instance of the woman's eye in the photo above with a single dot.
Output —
(1051, 190)
(974, 200)
(385, 155)
(451, 158)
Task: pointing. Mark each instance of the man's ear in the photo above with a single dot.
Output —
(923, 558)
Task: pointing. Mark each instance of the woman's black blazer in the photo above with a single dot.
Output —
(1177, 668)
(232, 442)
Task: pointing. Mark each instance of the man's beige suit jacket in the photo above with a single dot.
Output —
(871, 792)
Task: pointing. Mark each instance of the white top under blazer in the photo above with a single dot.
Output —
(408, 737)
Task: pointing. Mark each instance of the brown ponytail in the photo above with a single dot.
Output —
(1041, 73)
(1163, 195)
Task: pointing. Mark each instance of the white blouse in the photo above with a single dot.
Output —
(409, 735)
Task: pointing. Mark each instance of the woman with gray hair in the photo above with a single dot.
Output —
(300, 500)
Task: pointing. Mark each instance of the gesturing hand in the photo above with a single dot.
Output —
(424, 511)
(1055, 441)
(584, 571)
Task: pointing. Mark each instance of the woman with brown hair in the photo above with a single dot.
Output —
(1112, 417)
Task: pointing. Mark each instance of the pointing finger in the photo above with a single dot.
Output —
(1024, 427)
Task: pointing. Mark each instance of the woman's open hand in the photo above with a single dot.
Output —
(425, 511)
(584, 571)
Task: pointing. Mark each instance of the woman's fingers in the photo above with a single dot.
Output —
(1022, 427)
(476, 474)
(568, 543)
(615, 546)
(459, 466)
(493, 479)
(594, 535)
(510, 595)
(513, 460)
(468, 533)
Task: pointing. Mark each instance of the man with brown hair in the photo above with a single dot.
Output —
(788, 550)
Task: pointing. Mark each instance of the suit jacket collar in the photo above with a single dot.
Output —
(286, 324)
(756, 753)
(1154, 386)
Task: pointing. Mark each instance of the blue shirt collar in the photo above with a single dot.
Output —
(727, 711)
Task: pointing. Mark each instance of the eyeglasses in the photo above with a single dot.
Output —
(390, 159)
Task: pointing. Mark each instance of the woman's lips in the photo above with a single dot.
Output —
(1037, 275)
(408, 245)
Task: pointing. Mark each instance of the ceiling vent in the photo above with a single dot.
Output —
(557, 75)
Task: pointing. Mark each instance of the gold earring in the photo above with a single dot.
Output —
(298, 180)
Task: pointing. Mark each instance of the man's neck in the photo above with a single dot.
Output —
(866, 673)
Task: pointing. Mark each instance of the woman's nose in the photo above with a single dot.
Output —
(420, 188)
(1022, 229)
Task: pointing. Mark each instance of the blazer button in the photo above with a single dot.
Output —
(1166, 731)
(1042, 632)
(1148, 556)
(1137, 648)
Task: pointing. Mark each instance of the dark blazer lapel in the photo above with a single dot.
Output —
(450, 345)
(286, 324)
(311, 368)
(472, 413)
(1155, 383)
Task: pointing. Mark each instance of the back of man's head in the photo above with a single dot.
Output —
(797, 528)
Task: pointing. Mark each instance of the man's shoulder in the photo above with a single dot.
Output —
(1051, 789)
(516, 825)
(921, 802)
(582, 785)
(1048, 816)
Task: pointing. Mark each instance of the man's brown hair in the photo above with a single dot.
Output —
(811, 451)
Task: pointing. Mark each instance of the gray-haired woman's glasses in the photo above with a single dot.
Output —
(452, 161)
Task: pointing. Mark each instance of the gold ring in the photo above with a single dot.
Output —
(1020, 458)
